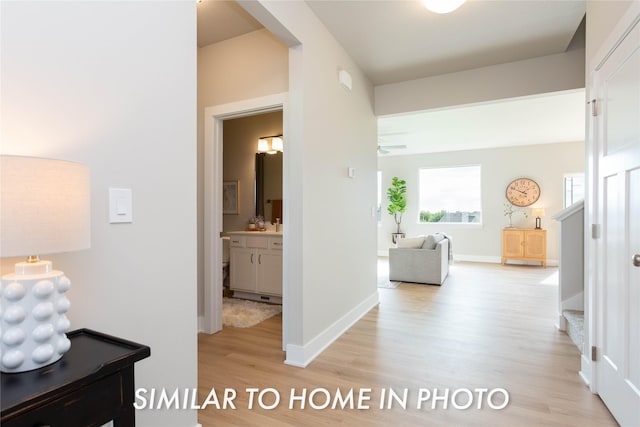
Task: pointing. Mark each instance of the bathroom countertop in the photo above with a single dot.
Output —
(256, 232)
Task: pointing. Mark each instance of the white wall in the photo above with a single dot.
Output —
(245, 67)
(112, 85)
(329, 223)
(533, 76)
(545, 164)
(602, 16)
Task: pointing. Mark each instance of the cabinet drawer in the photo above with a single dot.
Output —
(93, 405)
(275, 244)
(237, 242)
(257, 242)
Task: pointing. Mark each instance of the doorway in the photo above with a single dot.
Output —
(213, 217)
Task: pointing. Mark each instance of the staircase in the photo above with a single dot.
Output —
(575, 326)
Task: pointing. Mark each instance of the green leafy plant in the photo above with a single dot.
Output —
(396, 194)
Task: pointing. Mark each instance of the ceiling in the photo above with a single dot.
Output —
(220, 20)
(399, 40)
(532, 120)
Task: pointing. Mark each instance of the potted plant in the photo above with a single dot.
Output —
(396, 194)
(509, 211)
(256, 222)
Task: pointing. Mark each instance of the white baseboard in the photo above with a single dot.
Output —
(585, 368)
(498, 260)
(482, 258)
(550, 262)
(301, 356)
(477, 258)
(200, 323)
(562, 323)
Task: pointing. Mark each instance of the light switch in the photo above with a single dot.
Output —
(120, 205)
(351, 172)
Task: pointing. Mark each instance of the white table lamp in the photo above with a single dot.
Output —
(44, 209)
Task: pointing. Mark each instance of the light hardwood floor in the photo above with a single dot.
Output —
(488, 326)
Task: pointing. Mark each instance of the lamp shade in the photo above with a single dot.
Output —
(276, 144)
(263, 145)
(44, 206)
(537, 212)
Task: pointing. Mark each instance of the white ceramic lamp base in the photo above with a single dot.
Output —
(32, 317)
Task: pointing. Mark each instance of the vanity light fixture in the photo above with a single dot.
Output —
(442, 6)
(263, 145)
(276, 143)
(270, 144)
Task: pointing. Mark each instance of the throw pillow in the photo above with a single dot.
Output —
(410, 242)
(432, 240)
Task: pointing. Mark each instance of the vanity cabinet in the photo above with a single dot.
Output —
(255, 264)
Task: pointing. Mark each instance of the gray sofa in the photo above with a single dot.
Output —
(420, 263)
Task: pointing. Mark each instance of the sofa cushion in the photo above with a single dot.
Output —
(410, 242)
(431, 241)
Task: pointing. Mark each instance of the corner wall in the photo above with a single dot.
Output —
(331, 232)
(112, 85)
(546, 164)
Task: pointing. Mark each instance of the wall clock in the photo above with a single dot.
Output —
(523, 192)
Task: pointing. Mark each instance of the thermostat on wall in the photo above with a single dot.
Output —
(345, 79)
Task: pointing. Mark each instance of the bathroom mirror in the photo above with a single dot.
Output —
(268, 200)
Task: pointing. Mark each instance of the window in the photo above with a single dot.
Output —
(573, 188)
(379, 196)
(450, 195)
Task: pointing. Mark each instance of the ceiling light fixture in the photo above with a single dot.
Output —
(442, 6)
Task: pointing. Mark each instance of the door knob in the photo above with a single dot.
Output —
(636, 260)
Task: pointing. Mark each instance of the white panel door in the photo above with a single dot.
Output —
(618, 284)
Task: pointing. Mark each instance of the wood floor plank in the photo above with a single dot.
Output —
(489, 326)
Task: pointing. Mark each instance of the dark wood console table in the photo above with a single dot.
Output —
(90, 385)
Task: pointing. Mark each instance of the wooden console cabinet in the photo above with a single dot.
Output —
(524, 245)
(90, 385)
(256, 265)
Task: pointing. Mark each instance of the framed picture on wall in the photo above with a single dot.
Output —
(230, 197)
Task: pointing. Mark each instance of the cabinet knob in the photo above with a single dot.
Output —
(636, 260)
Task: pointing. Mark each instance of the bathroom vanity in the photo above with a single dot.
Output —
(255, 265)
